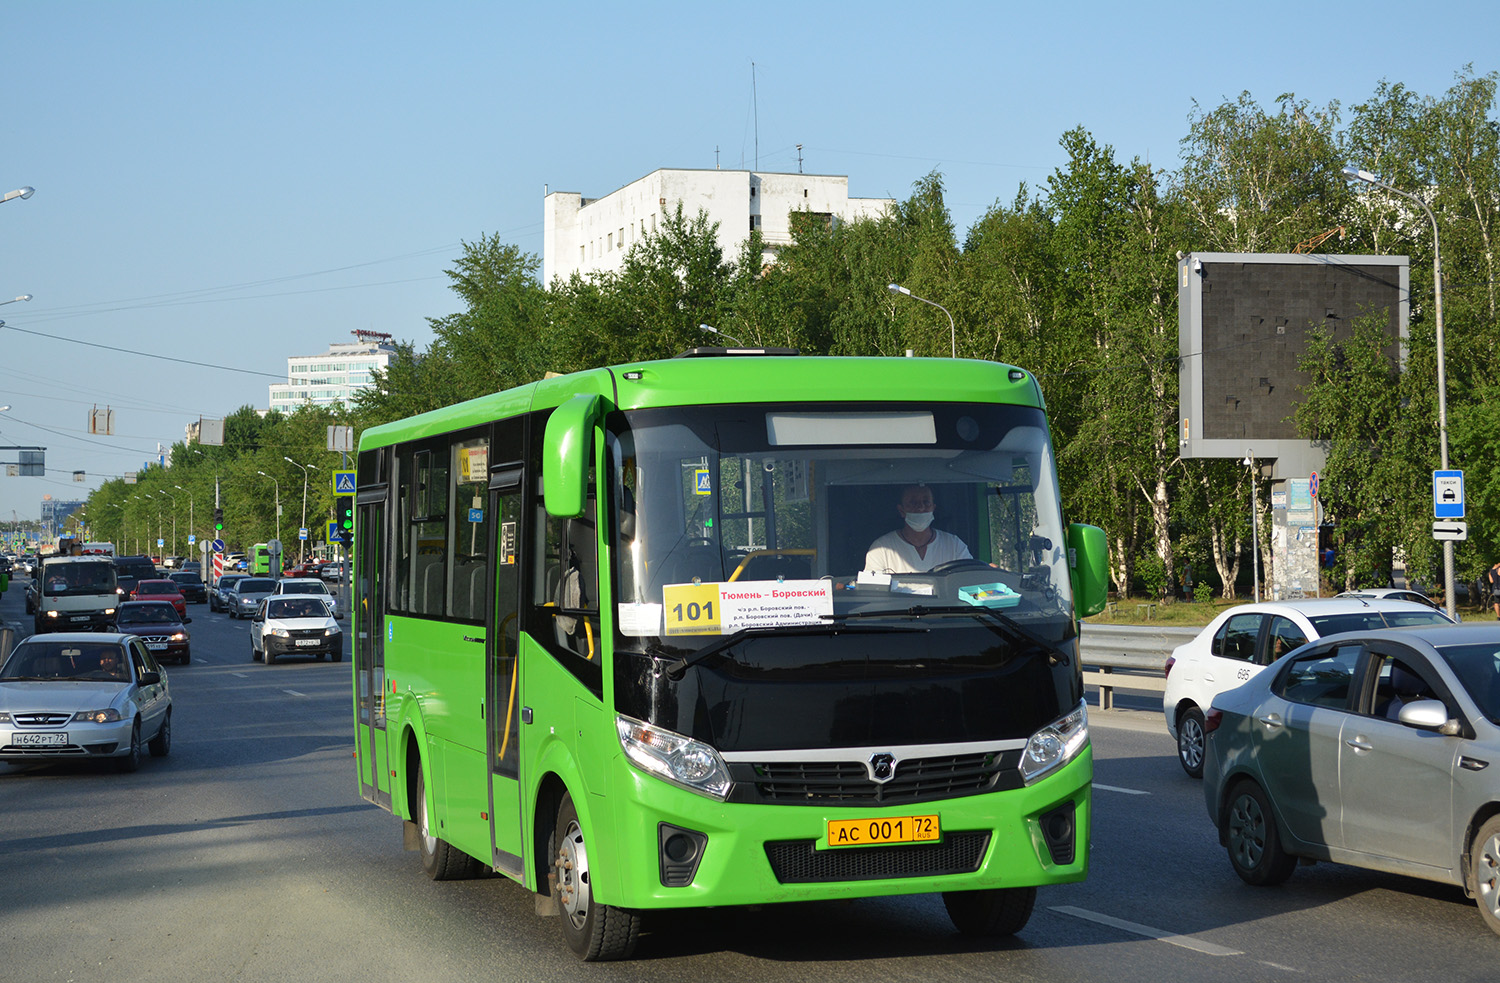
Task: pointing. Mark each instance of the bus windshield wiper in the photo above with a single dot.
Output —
(1002, 621)
(676, 669)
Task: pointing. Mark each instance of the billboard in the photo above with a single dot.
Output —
(1243, 324)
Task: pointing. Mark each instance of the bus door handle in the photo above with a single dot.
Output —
(526, 715)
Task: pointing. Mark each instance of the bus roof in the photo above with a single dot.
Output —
(737, 379)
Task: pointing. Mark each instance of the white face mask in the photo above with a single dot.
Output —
(919, 521)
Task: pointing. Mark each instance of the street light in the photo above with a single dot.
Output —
(713, 330)
(169, 495)
(192, 533)
(22, 297)
(18, 193)
(302, 550)
(278, 501)
(1355, 174)
(896, 288)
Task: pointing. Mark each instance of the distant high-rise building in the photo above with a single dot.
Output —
(334, 376)
(584, 235)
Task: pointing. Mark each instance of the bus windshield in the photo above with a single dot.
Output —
(749, 533)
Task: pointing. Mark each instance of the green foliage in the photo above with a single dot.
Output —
(1202, 593)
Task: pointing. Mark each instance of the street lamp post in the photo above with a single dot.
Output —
(174, 520)
(896, 288)
(1355, 174)
(191, 531)
(278, 501)
(302, 550)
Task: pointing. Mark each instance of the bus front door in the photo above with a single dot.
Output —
(502, 647)
(367, 616)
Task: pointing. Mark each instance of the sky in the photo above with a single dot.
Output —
(222, 185)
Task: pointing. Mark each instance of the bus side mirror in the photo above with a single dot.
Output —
(1088, 560)
(567, 451)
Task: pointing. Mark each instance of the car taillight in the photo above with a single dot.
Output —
(1212, 719)
(1171, 661)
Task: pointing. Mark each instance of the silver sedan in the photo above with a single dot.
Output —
(1378, 749)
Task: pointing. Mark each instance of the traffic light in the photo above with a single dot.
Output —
(343, 511)
(218, 519)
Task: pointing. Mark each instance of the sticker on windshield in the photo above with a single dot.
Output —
(722, 609)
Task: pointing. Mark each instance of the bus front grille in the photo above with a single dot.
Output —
(849, 783)
(797, 862)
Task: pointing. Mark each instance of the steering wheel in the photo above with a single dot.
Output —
(967, 563)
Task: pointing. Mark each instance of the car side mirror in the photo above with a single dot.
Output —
(187, 621)
(1427, 715)
(148, 678)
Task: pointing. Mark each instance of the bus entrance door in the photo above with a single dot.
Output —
(502, 646)
(368, 591)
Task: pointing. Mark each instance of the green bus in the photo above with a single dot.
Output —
(258, 562)
(619, 637)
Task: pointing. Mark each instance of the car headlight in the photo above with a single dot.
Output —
(1055, 745)
(680, 760)
(180, 636)
(51, 614)
(333, 630)
(109, 610)
(280, 633)
(108, 715)
(4, 717)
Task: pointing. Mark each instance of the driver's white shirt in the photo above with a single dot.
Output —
(892, 554)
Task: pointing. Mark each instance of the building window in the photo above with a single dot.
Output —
(610, 240)
(752, 191)
(622, 238)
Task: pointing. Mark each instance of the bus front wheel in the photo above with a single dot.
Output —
(993, 912)
(597, 932)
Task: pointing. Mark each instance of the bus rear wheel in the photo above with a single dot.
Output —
(597, 932)
(990, 913)
(442, 861)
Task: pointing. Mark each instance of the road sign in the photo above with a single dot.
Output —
(160, 543)
(218, 545)
(343, 482)
(333, 532)
(1312, 484)
(1456, 531)
(302, 533)
(1447, 494)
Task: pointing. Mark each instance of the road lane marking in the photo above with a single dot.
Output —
(242, 675)
(292, 692)
(1185, 941)
(1116, 788)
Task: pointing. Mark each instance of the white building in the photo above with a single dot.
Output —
(333, 376)
(584, 235)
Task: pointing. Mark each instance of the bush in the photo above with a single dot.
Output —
(1202, 593)
(1153, 574)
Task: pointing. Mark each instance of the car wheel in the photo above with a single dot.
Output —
(338, 657)
(132, 759)
(1484, 871)
(1254, 841)
(597, 932)
(266, 656)
(442, 861)
(990, 913)
(161, 744)
(186, 658)
(1190, 742)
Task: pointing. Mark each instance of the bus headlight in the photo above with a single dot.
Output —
(1055, 745)
(677, 759)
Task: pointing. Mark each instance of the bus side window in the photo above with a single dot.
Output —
(572, 580)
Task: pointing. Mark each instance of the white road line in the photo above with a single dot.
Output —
(242, 675)
(293, 692)
(1185, 941)
(1116, 788)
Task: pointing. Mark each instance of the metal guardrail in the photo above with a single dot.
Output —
(1129, 657)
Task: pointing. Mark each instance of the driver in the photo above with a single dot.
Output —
(916, 547)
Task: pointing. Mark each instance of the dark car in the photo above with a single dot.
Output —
(159, 626)
(191, 585)
(219, 592)
(129, 570)
(1368, 748)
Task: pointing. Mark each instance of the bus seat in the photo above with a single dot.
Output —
(431, 601)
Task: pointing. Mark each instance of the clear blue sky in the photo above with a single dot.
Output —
(230, 184)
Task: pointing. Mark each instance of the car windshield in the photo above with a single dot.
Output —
(147, 614)
(186, 578)
(256, 585)
(296, 607)
(1333, 624)
(66, 660)
(1478, 668)
(77, 578)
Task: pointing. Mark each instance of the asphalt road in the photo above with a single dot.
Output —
(248, 855)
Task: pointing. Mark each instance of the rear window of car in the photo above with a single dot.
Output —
(1333, 624)
(252, 585)
(317, 588)
(186, 578)
(157, 587)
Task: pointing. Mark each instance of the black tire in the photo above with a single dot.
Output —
(1253, 839)
(265, 654)
(1191, 742)
(597, 932)
(132, 759)
(338, 657)
(186, 658)
(1484, 872)
(441, 860)
(992, 913)
(161, 744)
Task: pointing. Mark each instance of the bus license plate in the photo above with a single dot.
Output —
(877, 832)
(40, 740)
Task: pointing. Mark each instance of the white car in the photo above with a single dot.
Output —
(1243, 640)
(308, 585)
(84, 695)
(295, 624)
